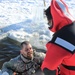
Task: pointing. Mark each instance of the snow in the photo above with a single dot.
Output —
(24, 20)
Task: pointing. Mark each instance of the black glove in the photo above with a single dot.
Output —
(49, 72)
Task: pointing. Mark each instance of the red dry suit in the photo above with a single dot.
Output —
(61, 49)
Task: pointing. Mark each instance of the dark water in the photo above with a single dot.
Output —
(8, 50)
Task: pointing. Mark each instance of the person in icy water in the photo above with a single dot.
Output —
(27, 63)
(61, 48)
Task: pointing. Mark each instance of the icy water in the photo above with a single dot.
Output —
(8, 50)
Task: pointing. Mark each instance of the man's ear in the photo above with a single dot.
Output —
(21, 51)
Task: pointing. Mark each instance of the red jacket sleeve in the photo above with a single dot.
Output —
(54, 57)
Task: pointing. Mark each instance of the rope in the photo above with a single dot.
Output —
(44, 3)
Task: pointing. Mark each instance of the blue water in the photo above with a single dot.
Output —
(8, 50)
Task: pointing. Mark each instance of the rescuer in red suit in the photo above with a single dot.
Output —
(61, 49)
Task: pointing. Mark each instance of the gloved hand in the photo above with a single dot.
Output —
(5, 73)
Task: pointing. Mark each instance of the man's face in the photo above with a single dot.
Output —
(49, 23)
(27, 51)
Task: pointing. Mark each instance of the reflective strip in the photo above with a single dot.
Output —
(64, 44)
(64, 9)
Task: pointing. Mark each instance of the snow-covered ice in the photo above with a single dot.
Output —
(24, 20)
